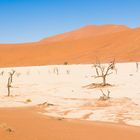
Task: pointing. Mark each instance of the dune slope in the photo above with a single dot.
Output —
(81, 46)
(27, 124)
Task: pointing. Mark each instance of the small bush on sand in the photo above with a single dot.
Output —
(65, 63)
(28, 100)
(9, 130)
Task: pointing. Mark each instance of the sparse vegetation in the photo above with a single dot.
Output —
(46, 104)
(66, 63)
(28, 100)
(9, 130)
(6, 128)
(60, 118)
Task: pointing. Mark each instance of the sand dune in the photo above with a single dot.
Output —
(81, 46)
(26, 123)
(86, 32)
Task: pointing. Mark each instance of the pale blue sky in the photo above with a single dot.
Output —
(32, 20)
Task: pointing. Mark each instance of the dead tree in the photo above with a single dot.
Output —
(68, 71)
(11, 75)
(104, 96)
(103, 71)
(9, 85)
(2, 73)
(56, 70)
(10, 80)
(137, 66)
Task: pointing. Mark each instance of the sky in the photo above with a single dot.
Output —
(33, 20)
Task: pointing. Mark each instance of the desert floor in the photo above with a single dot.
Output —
(61, 102)
(27, 124)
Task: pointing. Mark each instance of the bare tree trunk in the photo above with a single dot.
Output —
(137, 66)
(104, 80)
(8, 91)
(9, 85)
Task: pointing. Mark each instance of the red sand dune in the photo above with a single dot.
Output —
(86, 32)
(84, 45)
